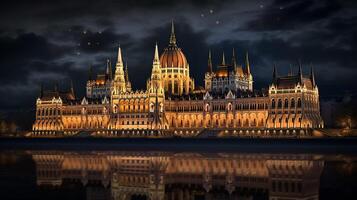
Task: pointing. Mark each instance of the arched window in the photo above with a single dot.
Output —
(299, 103)
(286, 104)
(207, 107)
(280, 103)
(176, 89)
(229, 106)
(273, 103)
(292, 105)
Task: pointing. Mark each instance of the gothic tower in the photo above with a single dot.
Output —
(119, 78)
(127, 81)
(156, 94)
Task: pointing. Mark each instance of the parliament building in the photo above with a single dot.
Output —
(171, 104)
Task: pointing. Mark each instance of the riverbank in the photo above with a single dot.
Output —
(310, 145)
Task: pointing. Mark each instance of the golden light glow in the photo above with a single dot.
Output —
(170, 102)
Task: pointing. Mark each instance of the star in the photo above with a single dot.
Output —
(218, 22)
(281, 8)
(89, 43)
(211, 11)
(202, 15)
(261, 6)
(85, 32)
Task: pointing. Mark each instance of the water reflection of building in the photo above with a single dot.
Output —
(185, 176)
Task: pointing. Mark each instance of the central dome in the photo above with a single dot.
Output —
(173, 57)
(175, 69)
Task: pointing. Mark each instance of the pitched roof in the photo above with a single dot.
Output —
(289, 82)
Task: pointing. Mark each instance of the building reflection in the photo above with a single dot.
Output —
(161, 175)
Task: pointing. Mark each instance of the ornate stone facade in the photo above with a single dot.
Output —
(228, 76)
(171, 104)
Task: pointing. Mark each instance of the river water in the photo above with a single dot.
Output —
(145, 174)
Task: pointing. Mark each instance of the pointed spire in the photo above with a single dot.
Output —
(291, 71)
(107, 71)
(41, 90)
(234, 62)
(110, 70)
(156, 56)
(223, 60)
(127, 81)
(247, 63)
(119, 79)
(275, 73)
(312, 75)
(172, 36)
(126, 72)
(120, 59)
(72, 87)
(156, 71)
(300, 71)
(56, 86)
(209, 70)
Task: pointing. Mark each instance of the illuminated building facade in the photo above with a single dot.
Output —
(100, 86)
(228, 76)
(171, 105)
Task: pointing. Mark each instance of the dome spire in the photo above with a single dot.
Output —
(172, 36)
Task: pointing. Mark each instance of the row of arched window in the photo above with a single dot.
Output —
(47, 112)
(286, 103)
(218, 107)
(131, 108)
(216, 122)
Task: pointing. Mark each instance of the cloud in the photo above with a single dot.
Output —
(59, 40)
(17, 54)
(290, 15)
(27, 60)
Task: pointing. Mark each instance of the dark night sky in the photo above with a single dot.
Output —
(44, 41)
